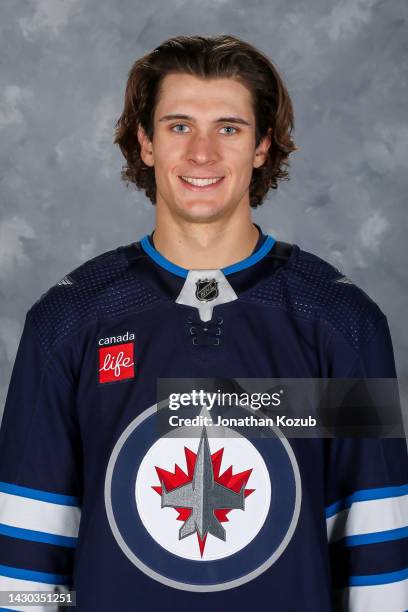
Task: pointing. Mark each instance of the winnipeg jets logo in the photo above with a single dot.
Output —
(198, 526)
(203, 497)
(206, 289)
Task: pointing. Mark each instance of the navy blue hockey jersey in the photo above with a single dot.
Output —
(92, 498)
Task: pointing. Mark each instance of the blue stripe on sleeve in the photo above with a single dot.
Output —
(376, 579)
(366, 495)
(25, 574)
(37, 536)
(376, 537)
(49, 558)
(53, 498)
(366, 559)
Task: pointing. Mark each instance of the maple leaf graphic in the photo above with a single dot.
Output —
(173, 480)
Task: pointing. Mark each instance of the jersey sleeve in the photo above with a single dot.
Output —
(40, 472)
(367, 499)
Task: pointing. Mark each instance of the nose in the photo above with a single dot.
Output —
(201, 150)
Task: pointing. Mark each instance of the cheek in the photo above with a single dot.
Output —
(164, 150)
(243, 167)
(164, 161)
(168, 161)
(240, 155)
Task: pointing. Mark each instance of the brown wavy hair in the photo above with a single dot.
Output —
(208, 57)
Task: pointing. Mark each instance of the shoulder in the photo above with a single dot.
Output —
(105, 285)
(311, 288)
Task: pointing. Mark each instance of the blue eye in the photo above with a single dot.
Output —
(178, 125)
(183, 125)
(230, 127)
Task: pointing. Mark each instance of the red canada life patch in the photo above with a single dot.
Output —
(116, 362)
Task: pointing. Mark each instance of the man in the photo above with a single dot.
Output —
(94, 495)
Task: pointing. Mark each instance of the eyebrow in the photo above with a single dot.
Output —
(238, 120)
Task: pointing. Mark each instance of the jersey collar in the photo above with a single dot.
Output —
(258, 254)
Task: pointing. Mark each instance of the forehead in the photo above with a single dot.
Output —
(184, 93)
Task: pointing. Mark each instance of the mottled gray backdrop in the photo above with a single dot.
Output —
(64, 65)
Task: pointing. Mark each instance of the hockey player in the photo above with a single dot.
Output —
(94, 498)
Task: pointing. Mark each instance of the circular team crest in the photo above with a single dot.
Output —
(201, 495)
(201, 513)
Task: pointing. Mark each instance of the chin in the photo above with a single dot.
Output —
(201, 214)
(202, 208)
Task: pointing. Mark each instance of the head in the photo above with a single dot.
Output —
(205, 107)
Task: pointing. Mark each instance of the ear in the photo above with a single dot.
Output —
(146, 147)
(261, 151)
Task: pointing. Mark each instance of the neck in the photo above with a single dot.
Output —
(206, 246)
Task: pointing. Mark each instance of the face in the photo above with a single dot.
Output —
(203, 149)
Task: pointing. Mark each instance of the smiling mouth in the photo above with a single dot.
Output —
(202, 181)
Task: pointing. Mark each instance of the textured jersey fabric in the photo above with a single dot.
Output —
(84, 476)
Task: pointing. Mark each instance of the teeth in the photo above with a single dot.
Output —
(201, 182)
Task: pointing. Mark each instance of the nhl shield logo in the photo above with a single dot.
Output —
(201, 513)
(206, 289)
